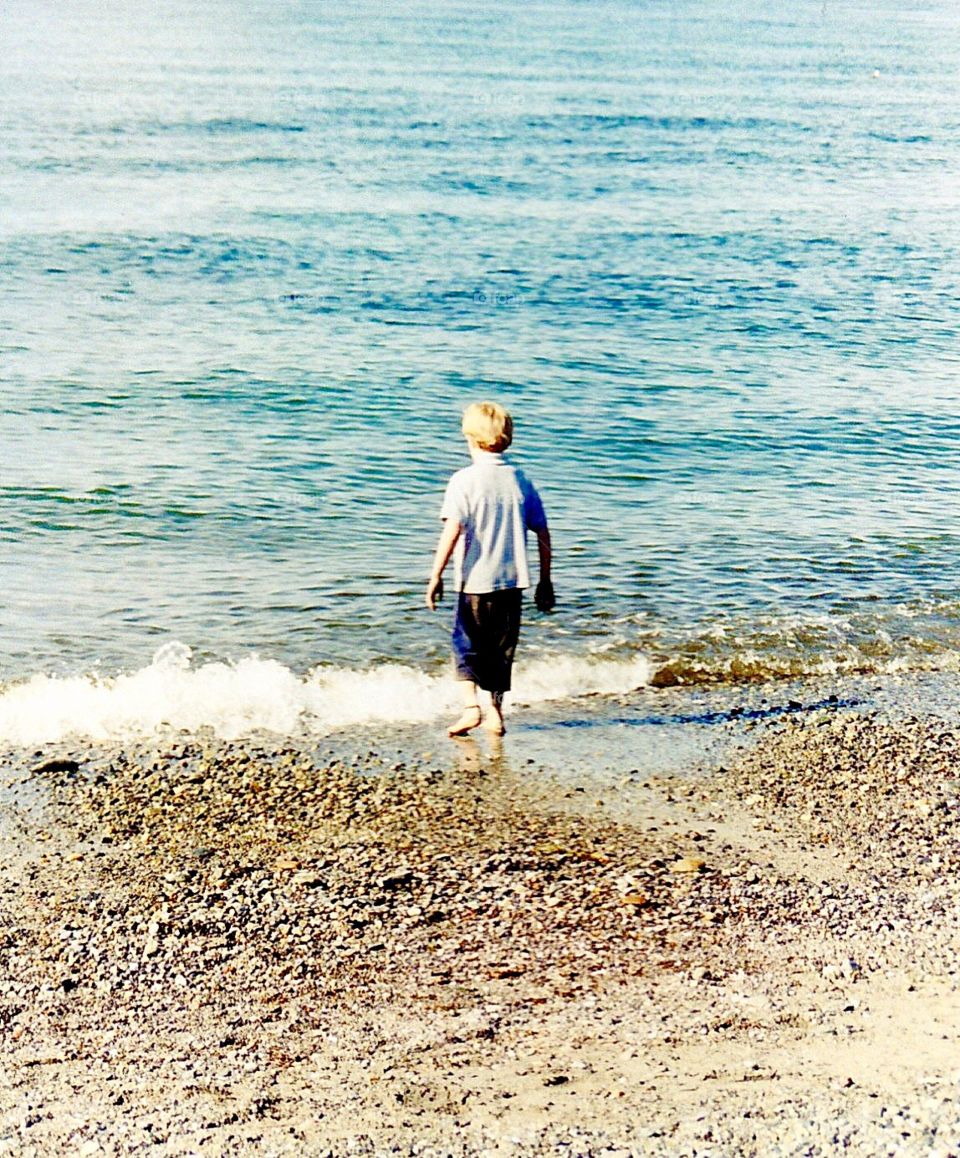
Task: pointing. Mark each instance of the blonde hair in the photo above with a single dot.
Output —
(487, 426)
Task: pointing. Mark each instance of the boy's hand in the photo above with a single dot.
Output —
(434, 592)
(544, 596)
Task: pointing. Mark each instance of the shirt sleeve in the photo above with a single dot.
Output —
(534, 515)
(454, 503)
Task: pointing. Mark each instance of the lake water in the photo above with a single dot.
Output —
(256, 257)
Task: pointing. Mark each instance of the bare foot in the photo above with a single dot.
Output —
(494, 723)
(469, 719)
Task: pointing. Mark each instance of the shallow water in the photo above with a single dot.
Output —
(255, 259)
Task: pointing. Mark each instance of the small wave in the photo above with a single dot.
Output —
(752, 667)
(254, 695)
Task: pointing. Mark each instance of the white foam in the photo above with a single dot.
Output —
(253, 695)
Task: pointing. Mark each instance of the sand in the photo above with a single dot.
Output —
(213, 948)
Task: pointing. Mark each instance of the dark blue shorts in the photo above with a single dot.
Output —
(485, 633)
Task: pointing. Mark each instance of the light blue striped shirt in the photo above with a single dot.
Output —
(495, 504)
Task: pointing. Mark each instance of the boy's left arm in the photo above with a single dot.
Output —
(448, 540)
(544, 596)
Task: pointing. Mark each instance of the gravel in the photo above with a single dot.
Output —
(212, 948)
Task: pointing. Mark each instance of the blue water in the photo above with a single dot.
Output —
(256, 257)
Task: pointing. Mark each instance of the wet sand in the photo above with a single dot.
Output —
(212, 948)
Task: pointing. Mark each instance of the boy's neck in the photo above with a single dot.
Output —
(479, 455)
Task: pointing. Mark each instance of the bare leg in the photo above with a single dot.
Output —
(470, 716)
(495, 719)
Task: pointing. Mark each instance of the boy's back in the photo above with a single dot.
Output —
(495, 504)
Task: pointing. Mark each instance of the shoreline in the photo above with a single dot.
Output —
(215, 948)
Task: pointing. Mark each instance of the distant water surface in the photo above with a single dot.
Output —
(256, 257)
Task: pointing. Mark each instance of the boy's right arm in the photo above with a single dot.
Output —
(448, 540)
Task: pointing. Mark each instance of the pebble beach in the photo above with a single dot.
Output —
(232, 948)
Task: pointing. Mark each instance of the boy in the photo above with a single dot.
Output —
(487, 510)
